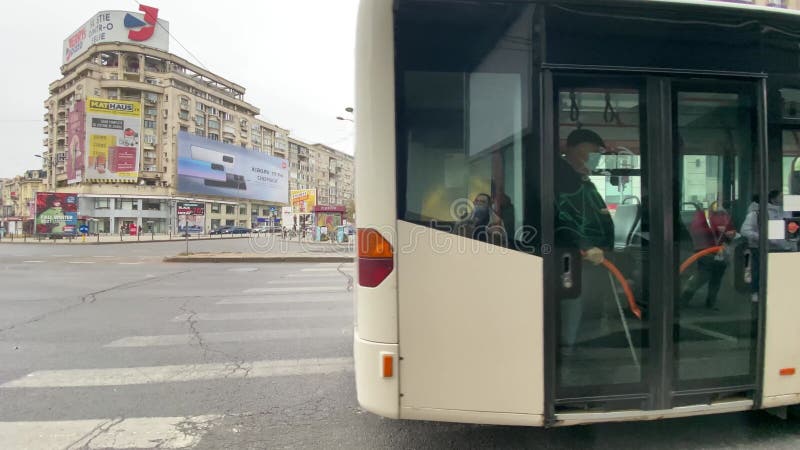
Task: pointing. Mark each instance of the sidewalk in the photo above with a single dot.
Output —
(116, 239)
(261, 257)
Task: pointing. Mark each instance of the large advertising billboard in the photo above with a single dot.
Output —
(112, 140)
(56, 213)
(209, 167)
(118, 26)
(303, 200)
(76, 142)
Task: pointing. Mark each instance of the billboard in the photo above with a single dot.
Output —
(191, 209)
(112, 135)
(303, 200)
(56, 213)
(191, 217)
(208, 167)
(76, 142)
(118, 26)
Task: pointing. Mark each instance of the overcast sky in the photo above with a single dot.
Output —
(294, 57)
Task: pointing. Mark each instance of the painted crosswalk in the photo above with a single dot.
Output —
(307, 292)
(265, 300)
(116, 433)
(265, 315)
(295, 289)
(125, 376)
(230, 336)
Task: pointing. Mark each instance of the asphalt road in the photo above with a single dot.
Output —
(108, 347)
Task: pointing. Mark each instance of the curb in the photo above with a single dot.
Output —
(20, 241)
(143, 241)
(258, 259)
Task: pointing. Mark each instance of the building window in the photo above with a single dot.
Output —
(229, 209)
(117, 203)
(213, 124)
(213, 136)
(149, 123)
(215, 207)
(229, 223)
(199, 120)
(101, 203)
(199, 132)
(184, 128)
(151, 205)
(214, 224)
(242, 210)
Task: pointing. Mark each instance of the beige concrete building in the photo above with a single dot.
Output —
(317, 166)
(18, 200)
(175, 96)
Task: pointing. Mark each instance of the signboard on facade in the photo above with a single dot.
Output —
(144, 28)
(208, 167)
(56, 213)
(112, 144)
(191, 209)
(76, 142)
(303, 200)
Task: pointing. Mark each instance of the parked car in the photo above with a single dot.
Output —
(221, 230)
(237, 230)
(267, 229)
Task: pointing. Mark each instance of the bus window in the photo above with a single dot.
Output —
(462, 124)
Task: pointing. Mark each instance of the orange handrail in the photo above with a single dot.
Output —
(690, 260)
(625, 286)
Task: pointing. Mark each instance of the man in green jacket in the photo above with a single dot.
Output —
(583, 224)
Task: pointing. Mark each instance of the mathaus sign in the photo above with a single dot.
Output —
(119, 26)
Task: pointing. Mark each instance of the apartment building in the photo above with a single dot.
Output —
(317, 166)
(18, 200)
(164, 95)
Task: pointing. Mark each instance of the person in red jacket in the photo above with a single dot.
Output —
(715, 230)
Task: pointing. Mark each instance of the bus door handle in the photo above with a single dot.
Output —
(747, 266)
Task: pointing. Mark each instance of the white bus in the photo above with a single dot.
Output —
(576, 211)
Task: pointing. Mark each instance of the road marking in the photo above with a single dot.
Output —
(126, 376)
(293, 290)
(326, 269)
(278, 300)
(260, 315)
(82, 262)
(130, 263)
(306, 281)
(313, 275)
(144, 432)
(229, 336)
(32, 261)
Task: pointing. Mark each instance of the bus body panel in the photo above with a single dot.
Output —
(782, 331)
(375, 185)
(477, 417)
(470, 324)
(376, 394)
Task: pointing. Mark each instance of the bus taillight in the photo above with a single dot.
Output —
(375, 257)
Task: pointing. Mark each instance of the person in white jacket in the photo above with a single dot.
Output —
(750, 230)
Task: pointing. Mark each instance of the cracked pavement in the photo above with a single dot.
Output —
(227, 393)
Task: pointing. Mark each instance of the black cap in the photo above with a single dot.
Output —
(582, 135)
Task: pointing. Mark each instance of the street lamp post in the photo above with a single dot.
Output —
(348, 110)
